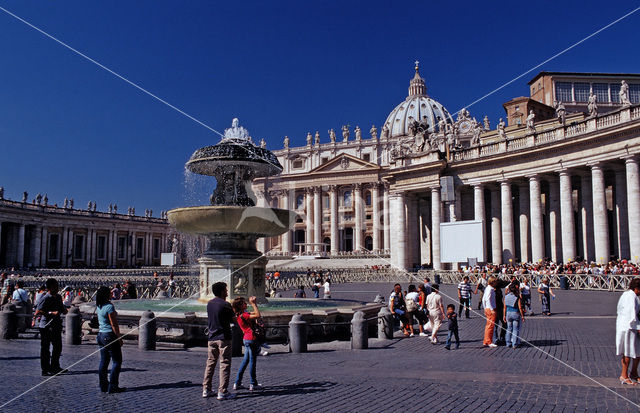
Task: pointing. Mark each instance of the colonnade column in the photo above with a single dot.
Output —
(385, 212)
(600, 226)
(20, 246)
(586, 210)
(537, 226)
(633, 207)
(620, 212)
(317, 218)
(285, 240)
(554, 221)
(333, 204)
(37, 245)
(359, 231)
(436, 216)
(376, 216)
(523, 206)
(399, 241)
(43, 247)
(496, 228)
(566, 218)
(508, 237)
(413, 246)
(309, 218)
(478, 209)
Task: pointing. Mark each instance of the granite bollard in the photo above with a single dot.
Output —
(147, 331)
(298, 334)
(385, 324)
(359, 332)
(8, 323)
(73, 326)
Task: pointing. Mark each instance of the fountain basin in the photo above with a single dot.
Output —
(205, 220)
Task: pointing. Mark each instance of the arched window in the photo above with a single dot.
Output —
(300, 201)
(347, 198)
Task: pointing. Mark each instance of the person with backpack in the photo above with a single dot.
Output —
(50, 308)
(413, 303)
(246, 322)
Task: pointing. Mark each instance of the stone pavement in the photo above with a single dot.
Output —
(399, 375)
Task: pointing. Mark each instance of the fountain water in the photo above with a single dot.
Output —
(232, 222)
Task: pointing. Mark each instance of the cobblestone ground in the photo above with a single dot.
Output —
(568, 365)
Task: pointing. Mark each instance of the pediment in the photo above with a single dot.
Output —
(344, 163)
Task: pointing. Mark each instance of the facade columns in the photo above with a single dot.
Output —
(375, 201)
(399, 219)
(358, 233)
(537, 225)
(508, 237)
(586, 211)
(567, 218)
(333, 204)
(317, 218)
(496, 228)
(554, 220)
(37, 245)
(20, 249)
(620, 212)
(633, 204)
(436, 217)
(285, 240)
(600, 226)
(478, 210)
(309, 218)
(413, 247)
(385, 212)
(44, 244)
(524, 207)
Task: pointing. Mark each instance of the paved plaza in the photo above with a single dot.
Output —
(398, 375)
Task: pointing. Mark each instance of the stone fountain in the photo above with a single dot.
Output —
(232, 222)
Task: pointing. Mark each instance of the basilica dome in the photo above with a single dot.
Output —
(417, 106)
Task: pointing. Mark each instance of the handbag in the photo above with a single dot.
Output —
(259, 329)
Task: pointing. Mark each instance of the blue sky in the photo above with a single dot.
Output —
(69, 128)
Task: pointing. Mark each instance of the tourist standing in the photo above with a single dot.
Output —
(251, 345)
(412, 300)
(50, 308)
(489, 303)
(130, 288)
(436, 312)
(110, 342)
(453, 327)
(628, 331)
(501, 325)
(513, 314)
(116, 293)
(327, 288)
(398, 308)
(482, 284)
(464, 296)
(300, 293)
(525, 295)
(427, 285)
(545, 296)
(316, 287)
(220, 315)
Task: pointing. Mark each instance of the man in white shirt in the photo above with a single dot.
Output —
(489, 303)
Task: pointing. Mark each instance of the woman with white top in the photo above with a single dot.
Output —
(327, 289)
(490, 313)
(436, 312)
(628, 331)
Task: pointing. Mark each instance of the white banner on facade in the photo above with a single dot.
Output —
(461, 240)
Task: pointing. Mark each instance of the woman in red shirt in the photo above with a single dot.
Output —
(251, 345)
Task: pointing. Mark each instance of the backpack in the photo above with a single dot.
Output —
(259, 330)
(411, 305)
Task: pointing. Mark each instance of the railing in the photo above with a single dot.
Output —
(608, 120)
(489, 149)
(576, 129)
(546, 137)
(635, 112)
(517, 143)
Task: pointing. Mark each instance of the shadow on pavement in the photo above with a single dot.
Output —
(172, 385)
(542, 343)
(80, 372)
(19, 358)
(300, 388)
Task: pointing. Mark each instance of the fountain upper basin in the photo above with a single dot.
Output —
(205, 220)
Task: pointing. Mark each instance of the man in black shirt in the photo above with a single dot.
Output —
(220, 315)
(50, 308)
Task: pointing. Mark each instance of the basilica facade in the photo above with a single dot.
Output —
(559, 181)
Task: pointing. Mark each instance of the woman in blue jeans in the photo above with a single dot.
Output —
(513, 314)
(251, 344)
(110, 342)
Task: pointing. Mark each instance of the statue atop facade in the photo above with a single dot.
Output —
(332, 135)
(236, 131)
(560, 111)
(66, 203)
(110, 208)
(309, 138)
(39, 199)
(317, 138)
(477, 131)
(374, 132)
(71, 203)
(501, 132)
(25, 195)
(46, 200)
(487, 125)
(530, 126)
(263, 143)
(174, 245)
(385, 131)
(89, 206)
(462, 115)
(442, 125)
(115, 208)
(286, 142)
(358, 133)
(592, 106)
(345, 133)
(1, 192)
(624, 94)
(420, 132)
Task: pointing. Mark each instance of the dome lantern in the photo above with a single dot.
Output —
(417, 86)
